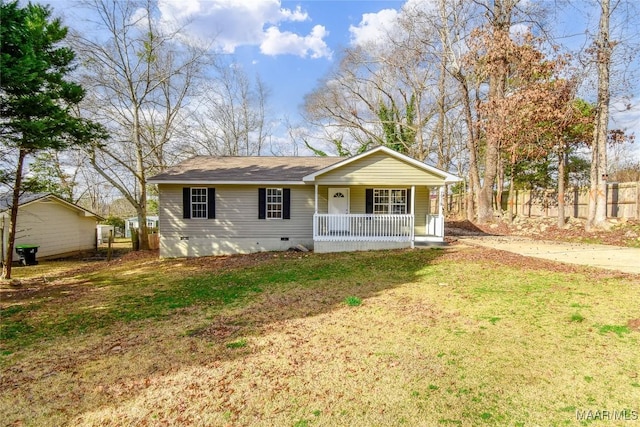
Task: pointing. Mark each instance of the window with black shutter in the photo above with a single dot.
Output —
(198, 203)
(385, 201)
(274, 203)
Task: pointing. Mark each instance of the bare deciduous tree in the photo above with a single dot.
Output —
(139, 76)
(232, 117)
(597, 210)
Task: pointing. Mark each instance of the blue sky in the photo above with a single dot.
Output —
(292, 44)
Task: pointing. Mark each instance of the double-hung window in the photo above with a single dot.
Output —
(274, 203)
(389, 201)
(199, 203)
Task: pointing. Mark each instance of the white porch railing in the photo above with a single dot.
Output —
(363, 227)
(435, 225)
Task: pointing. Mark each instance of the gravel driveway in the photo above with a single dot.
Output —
(603, 256)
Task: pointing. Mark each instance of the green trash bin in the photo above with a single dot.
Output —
(27, 254)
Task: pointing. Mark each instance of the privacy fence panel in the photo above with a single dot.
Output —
(623, 201)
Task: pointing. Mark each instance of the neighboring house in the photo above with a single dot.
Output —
(129, 223)
(379, 199)
(58, 227)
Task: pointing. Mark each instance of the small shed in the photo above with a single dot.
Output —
(59, 228)
(104, 231)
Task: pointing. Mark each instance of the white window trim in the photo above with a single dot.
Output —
(281, 203)
(390, 203)
(205, 203)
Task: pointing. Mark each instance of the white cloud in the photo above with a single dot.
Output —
(234, 23)
(374, 27)
(278, 43)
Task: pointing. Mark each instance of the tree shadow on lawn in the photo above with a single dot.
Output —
(464, 228)
(242, 297)
(325, 286)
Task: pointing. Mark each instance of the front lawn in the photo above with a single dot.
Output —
(456, 336)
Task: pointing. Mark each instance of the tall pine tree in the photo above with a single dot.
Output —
(36, 99)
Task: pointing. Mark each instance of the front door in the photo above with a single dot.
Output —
(339, 205)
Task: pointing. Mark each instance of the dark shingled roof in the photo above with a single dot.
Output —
(244, 169)
(7, 198)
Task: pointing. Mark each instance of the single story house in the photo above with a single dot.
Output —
(58, 227)
(379, 199)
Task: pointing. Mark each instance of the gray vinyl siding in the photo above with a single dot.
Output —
(55, 228)
(379, 169)
(358, 201)
(236, 214)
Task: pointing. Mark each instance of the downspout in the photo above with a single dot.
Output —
(315, 213)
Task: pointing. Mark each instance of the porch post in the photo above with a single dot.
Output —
(316, 202)
(413, 213)
(441, 210)
(315, 214)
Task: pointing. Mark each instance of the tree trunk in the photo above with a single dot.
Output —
(597, 214)
(512, 192)
(485, 195)
(141, 207)
(15, 202)
(470, 201)
(472, 146)
(500, 185)
(562, 183)
(501, 24)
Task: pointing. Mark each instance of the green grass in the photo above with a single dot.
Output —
(577, 317)
(619, 330)
(156, 296)
(237, 344)
(272, 343)
(352, 301)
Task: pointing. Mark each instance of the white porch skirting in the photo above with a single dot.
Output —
(325, 247)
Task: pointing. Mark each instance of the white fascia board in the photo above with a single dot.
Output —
(192, 183)
(448, 178)
(452, 179)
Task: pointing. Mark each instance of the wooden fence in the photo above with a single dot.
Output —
(623, 201)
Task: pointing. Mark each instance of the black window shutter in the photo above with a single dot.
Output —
(186, 202)
(369, 203)
(409, 201)
(286, 203)
(211, 203)
(262, 203)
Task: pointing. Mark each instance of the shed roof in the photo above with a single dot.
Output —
(27, 198)
(243, 170)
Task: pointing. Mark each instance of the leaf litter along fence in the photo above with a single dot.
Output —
(623, 201)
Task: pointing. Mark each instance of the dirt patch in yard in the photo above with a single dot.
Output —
(634, 324)
(621, 232)
(461, 252)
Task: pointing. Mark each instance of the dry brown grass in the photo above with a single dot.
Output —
(466, 336)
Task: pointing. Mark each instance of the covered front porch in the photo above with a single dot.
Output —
(362, 218)
(380, 199)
